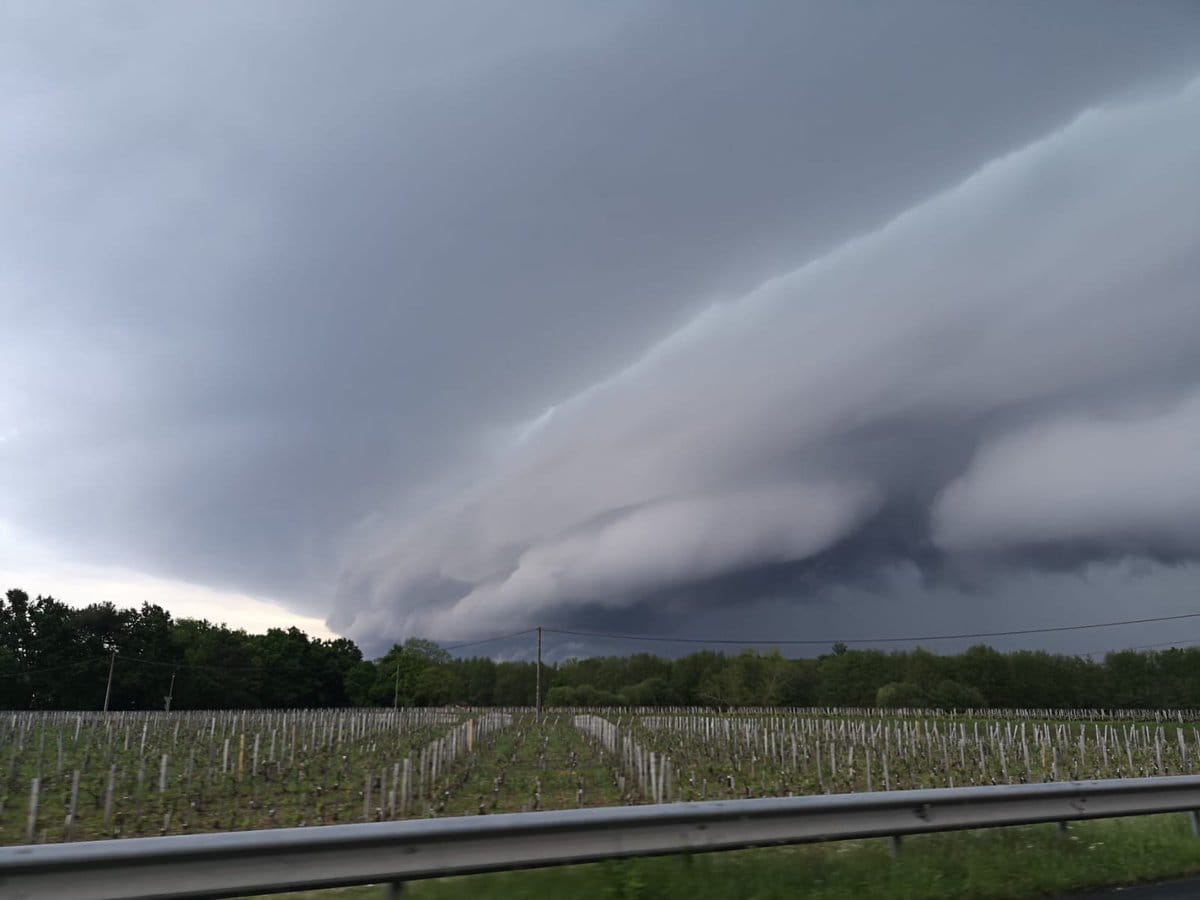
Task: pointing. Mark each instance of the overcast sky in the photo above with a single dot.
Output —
(787, 319)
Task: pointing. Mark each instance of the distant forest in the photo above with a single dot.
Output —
(53, 656)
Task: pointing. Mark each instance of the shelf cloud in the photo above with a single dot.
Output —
(1014, 358)
(451, 319)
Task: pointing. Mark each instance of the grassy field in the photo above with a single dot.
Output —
(1010, 863)
(546, 765)
(85, 776)
(80, 776)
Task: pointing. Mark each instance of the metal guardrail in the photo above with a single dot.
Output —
(251, 862)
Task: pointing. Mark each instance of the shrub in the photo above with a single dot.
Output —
(899, 694)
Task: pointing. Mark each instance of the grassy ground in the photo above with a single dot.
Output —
(211, 781)
(536, 765)
(1026, 862)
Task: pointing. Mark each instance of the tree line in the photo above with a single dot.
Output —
(54, 656)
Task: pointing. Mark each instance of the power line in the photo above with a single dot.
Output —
(85, 662)
(175, 665)
(215, 668)
(874, 640)
(149, 662)
(1186, 642)
(499, 637)
(694, 640)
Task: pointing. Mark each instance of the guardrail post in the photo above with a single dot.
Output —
(1062, 828)
(1194, 815)
(392, 890)
(894, 844)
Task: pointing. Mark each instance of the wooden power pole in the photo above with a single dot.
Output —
(112, 663)
(538, 689)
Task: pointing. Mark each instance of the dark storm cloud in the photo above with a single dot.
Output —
(279, 278)
(1013, 361)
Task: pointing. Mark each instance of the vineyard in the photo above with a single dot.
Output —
(84, 776)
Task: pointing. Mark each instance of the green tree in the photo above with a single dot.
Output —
(901, 694)
(955, 695)
(360, 683)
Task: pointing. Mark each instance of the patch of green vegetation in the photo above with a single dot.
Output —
(190, 772)
(535, 765)
(1024, 862)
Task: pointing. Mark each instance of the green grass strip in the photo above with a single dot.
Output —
(1022, 862)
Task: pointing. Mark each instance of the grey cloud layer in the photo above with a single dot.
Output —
(1056, 283)
(278, 278)
(1129, 482)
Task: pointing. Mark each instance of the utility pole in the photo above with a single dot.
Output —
(112, 663)
(170, 692)
(538, 706)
